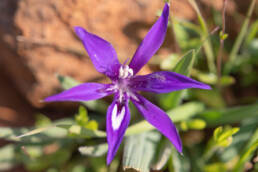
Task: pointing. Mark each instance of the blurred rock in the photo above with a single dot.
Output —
(14, 109)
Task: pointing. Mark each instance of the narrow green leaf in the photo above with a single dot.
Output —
(223, 135)
(241, 139)
(35, 131)
(230, 115)
(247, 153)
(211, 78)
(42, 121)
(179, 163)
(196, 124)
(29, 135)
(205, 37)
(206, 96)
(252, 33)
(240, 38)
(82, 117)
(95, 150)
(82, 132)
(7, 157)
(180, 113)
(215, 167)
(163, 155)
(139, 151)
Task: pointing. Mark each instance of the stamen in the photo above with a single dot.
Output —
(125, 72)
(117, 118)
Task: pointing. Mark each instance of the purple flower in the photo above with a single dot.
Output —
(126, 86)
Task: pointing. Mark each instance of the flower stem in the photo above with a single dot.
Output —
(222, 38)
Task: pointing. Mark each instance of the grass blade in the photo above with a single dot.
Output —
(205, 37)
(240, 38)
(139, 151)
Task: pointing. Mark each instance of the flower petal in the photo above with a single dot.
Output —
(151, 43)
(159, 119)
(118, 119)
(82, 92)
(164, 82)
(101, 53)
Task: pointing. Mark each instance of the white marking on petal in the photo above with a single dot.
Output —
(117, 118)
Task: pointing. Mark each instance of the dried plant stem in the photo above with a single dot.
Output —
(220, 52)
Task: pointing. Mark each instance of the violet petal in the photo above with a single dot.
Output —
(101, 53)
(159, 119)
(118, 119)
(82, 92)
(152, 42)
(164, 82)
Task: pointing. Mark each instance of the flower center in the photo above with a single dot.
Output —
(121, 86)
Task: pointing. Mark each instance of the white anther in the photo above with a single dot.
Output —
(125, 72)
(121, 72)
(117, 118)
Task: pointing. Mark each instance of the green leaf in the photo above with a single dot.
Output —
(7, 157)
(184, 66)
(223, 135)
(241, 139)
(207, 95)
(179, 163)
(92, 124)
(195, 124)
(43, 160)
(215, 167)
(163, 155)
(229, 115)
(252, 33)
(205, 37)
(139, 151)
(38, 135)
(82, 132)
(95, 150)
(169, 62)
(240, 39)
(211, 78)
(247, 152)
(82, 117)
(180, 113)
(223, 36)
(42, 121)
(56, 131)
